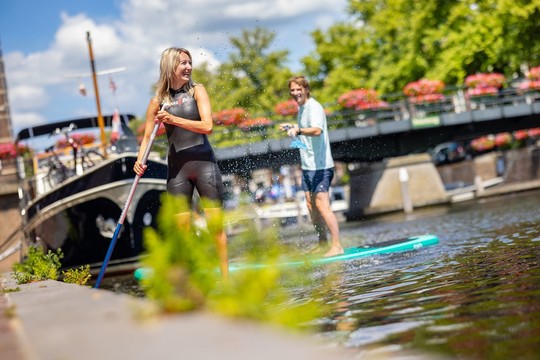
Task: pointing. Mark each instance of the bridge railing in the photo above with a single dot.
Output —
(401, 109)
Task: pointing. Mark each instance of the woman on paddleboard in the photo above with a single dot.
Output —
(187, 117)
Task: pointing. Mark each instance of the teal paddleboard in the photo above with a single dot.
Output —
(386, 247)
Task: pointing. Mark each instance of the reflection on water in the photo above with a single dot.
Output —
(475, 295)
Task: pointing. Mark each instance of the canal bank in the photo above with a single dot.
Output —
(55, 320)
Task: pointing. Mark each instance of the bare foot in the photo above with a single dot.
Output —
(315, 250)
(334, 251)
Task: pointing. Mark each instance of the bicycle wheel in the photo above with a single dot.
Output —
(90, 158)
(56, 175)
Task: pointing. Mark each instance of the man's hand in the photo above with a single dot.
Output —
(292, 130)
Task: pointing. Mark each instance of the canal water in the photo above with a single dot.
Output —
(475, 295)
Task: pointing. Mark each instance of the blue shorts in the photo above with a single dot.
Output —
(317, 180)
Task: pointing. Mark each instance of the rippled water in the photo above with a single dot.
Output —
(476, 295)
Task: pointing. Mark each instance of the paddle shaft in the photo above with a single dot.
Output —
(126, 207)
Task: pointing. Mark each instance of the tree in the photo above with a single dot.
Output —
(254, 78)
(390, 43)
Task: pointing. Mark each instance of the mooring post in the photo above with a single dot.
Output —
(405, 192)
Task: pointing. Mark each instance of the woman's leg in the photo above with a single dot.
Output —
(214, 219)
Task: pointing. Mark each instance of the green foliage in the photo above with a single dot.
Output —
(253, 78)
(78, 276)
(10, 290)
(180, 260)
(389, 43)
(184, 273)
(37, 266)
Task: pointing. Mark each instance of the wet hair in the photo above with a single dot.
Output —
(300, 80)
(170, 59)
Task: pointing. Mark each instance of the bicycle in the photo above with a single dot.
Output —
(57, 172)
(83, 158)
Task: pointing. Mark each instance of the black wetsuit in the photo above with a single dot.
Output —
(191, 160)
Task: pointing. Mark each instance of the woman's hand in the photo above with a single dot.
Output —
(163, 116)
(139, 168)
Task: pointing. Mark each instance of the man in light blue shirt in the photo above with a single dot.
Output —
(316, 162)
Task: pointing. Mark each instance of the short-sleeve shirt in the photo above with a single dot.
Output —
(318, 155)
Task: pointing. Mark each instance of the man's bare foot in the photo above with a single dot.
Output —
(334, 251)
(317, 249)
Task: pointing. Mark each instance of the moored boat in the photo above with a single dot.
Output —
(78, 211)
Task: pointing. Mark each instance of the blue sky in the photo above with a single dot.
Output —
(43, 42)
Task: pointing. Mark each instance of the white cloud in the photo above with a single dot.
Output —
(39, 90)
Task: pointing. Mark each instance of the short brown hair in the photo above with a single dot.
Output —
(300, 80)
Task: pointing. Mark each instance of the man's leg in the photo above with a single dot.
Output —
(322, 205)
(317, 220)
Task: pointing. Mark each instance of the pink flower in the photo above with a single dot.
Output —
(530, 85)
(521, 135)
(503, 139)
(230, 116)
(286, 108)
(250, 124)
(483, 143)
(423, 87)
(361, 99)
(7, 151)
(534, 73)
(80, 139)
(485, 80)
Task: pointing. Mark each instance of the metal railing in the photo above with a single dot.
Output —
(398, 110)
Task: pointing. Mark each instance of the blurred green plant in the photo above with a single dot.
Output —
(37, 266)
(182, 273)
(79, 276)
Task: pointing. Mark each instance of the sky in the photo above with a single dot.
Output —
(46, 53)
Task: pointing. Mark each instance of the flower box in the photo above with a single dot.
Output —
(286, 108)
(228, 117)
(424, 91)
(361, 99)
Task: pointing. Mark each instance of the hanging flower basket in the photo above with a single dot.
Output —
(10, 150)
(286, 108)
(533, 80)
(534, 132)
(484, 84)
(424, 91)
(361, 99)
(483, 143)
(534, 73)
(503, 140)
(7, 151)
(255, 124)
(80, 139)
(230, 116)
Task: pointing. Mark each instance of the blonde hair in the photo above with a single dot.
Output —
(170, 59)
(301, 81)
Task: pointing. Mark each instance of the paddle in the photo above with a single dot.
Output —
(128, 202)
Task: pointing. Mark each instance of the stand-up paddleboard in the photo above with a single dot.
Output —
(386, 247)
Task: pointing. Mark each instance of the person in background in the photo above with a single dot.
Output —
(316, 162)
(191, 161)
